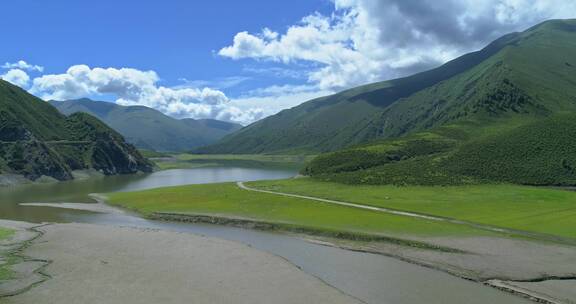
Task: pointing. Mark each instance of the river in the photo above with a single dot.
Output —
(370, 278)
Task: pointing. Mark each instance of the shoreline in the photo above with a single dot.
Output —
(352, 242)
(435, 255)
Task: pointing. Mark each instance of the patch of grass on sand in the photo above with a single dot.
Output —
(228, 200)
(533, 209)
(5, 272)
(5, 233)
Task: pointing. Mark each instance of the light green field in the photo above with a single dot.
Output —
(230, 201)
(189, 161)
(518, 207)
(4, 271)
(253, 157)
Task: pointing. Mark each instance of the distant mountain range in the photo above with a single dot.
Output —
(36, 140)
(505, 113)
(147, 128)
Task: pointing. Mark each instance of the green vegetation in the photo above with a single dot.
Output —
(535, 153)
(506, 80)
(526, 208)
(498, 115)
(228, 200)
(147, 128)
(153, 153)
(37, 140)
(4, 256)
(5, 233)
(509, 119)
(181, 161)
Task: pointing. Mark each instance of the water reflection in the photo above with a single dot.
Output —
(77, 191)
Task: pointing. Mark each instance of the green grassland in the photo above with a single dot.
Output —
(4, 258)
(228, 200)
(532, 209)
(526, 208)
(187, 161)
(520, 151)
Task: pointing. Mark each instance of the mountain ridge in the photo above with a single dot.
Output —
(473, 85)
(509, 120)
(147, 128)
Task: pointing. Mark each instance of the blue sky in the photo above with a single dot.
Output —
(241, 60)
(175, 38)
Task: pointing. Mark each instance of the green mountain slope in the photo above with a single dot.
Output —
(529, 74)
(150, 129)
(541, 152)
(510, 119)
(36, 140)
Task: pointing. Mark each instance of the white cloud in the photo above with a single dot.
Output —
(23, 65)
(135, 87)
(17, 77)
(220, 83)
(370, 40)
(271, 104)
(281, 90)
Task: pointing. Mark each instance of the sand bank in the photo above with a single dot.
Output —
(104, 264)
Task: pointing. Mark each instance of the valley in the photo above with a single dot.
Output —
(453, 185)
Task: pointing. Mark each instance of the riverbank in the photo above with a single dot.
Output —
(135, 265)
(473, 253)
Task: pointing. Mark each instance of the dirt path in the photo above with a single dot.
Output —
(534, 235)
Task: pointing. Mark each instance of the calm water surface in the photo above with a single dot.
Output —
(370, 278)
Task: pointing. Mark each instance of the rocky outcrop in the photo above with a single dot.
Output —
(36, 141)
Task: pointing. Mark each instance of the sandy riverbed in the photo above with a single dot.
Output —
(104, 264)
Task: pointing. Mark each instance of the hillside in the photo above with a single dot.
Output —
(541, 152)
(511, 119)
(508, 80)
(37, 140)
(147, 128)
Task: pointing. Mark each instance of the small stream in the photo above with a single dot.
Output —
(371, 278)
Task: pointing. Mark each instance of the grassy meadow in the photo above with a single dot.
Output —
(229, 200)
(189, 161)
(533, 209)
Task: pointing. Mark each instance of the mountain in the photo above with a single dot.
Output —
(517, 77)
(147, 128)
(37, 140)
(510, 119)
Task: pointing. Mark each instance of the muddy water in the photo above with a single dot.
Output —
(370, 278)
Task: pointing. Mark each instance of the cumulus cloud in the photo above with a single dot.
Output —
(23, 65)
(275, 99)
(370, 40)
(17, 77)
(220, 83)
(135, 87)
